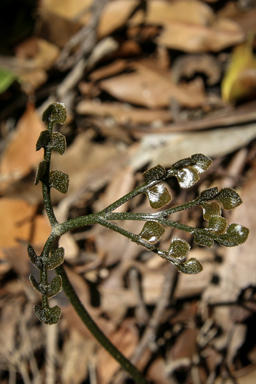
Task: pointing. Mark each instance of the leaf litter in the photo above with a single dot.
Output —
(168, 81)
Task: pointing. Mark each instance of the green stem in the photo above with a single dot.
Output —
(144, 217)
(58, 230)
(48, 204)
(128, 196)
(137, 239)
(95, 330)
(46, 188)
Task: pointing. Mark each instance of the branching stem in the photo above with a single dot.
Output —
(187, 172)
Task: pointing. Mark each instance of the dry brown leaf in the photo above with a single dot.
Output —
(156, 372)
(152, 89)
(125, 339)
(20, 155)
(39, 55)
(245, 18)
(185, 345)
(111, 69)
(192, 12)
(27, 49)
(238, 338)
(68, 9)
(16, 217)
(200, 38)
(128, 48)
(41, 230)
(188, 65)
(123, 114)
(191, 26)
(56, 29)
(20, 226)
(115, 15)
(246, 378)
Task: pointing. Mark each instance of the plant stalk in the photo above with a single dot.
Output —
(95, 330)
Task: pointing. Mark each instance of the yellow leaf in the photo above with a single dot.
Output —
(240, 79)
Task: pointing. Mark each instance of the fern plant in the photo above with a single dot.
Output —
(186, 171)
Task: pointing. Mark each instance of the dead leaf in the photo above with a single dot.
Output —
(125, 339)
(115, 15)
(27, 49)
(20, 156)
(123, 114)
(44, 59)
(16, 217)
(201, 38)
(191, 26)
(19, 225)
(68, 9)
(185, 345)
(55, 28)
(111, 69)
(196, 12)
(156, 372)
(247, 378)
(246, 18)
(188, 65)
(152, 89)
(238, 338)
